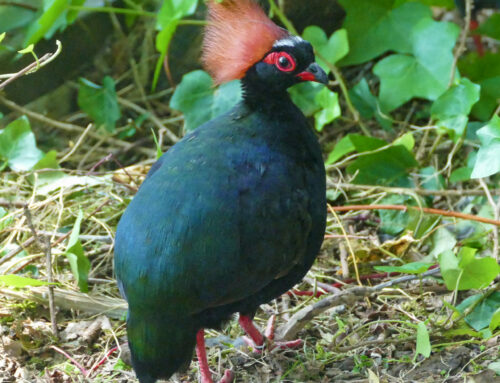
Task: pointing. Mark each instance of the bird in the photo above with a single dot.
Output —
(234, 214)
(477, 5)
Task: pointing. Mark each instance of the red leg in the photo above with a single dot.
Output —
(253, 332)
(477, 38)
(257, 339)
(206, 377)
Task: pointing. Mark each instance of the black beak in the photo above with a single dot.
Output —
(314, 73)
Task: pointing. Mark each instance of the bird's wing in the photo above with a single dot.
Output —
(211, 228)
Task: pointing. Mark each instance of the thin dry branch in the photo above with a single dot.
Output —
(290, 329)
(427, 210)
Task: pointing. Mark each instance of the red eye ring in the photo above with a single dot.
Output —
(282, 60)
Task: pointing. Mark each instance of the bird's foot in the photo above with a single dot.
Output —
(206, 377)
(259, 342)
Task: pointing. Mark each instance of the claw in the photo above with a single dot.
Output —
(258, 342)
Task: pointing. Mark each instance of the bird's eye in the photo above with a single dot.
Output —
(282, 60)
(285, 62)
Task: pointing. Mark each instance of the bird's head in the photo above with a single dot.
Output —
(241, 42)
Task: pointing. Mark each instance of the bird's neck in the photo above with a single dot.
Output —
(266, 100)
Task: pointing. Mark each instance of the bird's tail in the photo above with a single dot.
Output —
(159, 345)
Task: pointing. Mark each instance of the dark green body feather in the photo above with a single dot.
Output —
(230, 217)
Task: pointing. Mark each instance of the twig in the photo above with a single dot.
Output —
(376, 342)
(347, 297)
(69, 127)
(424, 192)
(34, 66)
(427, 210)
(155, 120)
(52, 310)
(463, 37)
(496, 215)
(77, 144)
(14, 252)
(351, 251)
(7, 203)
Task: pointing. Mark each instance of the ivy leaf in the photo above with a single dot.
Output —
(484, 71)
(431, 179)
(100, 102)
(386, 167)
(18, 146)
(354, 143)
(79, 263)
(491, 27)
(331, 49)
(483, 313)
(200, 102)
(304, 96)
(426, 73)
(452, 108)
(328, 101)
(467, 272)
(367, 104)
(375, 27)
(488, 159)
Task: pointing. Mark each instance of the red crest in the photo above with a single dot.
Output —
(237, 36)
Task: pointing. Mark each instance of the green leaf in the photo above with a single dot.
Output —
(100, 102)
(386, 167)
(367, 104)
(467, 272)
(330, 108)
(482, 314)
(452, 108)
(200, 102)
(407, 140)
(431, 179)
(163, 39)
(174, 10)
(15, 17)
(331, 49)
(491, 27)
(488, 158)
(442, 241)
(354, 143)
(374, 27)
(495, 320)
(484, 71)
(409, 268)
(167, 21)
(423, 341)
(456, 101)
(460, 174)
(79, 263)
(304, 96)
(12, 280)
(49, 161)
(18, 146)
(393, 222)
(52, 11)
(494, 366)
(425, 74)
